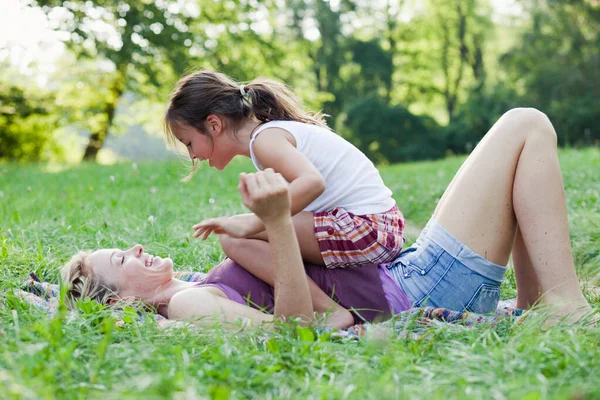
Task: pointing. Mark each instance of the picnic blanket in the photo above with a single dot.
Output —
(409, 323)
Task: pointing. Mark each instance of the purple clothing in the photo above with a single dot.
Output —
(368, 292)
(396, 298)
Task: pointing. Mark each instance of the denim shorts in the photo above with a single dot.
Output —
(439, 271)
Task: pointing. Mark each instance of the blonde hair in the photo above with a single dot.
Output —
(81, 282)
(202, 93)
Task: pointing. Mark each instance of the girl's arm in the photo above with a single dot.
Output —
(274, 148)
(266, 194)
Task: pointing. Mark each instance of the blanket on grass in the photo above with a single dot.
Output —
(410, 323)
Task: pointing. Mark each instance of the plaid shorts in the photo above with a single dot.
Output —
(348, 240)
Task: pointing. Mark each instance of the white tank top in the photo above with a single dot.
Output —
(351, 180)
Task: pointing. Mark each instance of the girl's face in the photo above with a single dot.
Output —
(216, 149)
(134, 273)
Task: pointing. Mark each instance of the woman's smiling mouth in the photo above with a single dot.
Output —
(150, 261)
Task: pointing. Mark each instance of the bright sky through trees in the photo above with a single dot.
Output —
(25, 34)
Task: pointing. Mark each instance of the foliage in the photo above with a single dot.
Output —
(49, 215)
(149, 44)
(27, 123)
(328, 52)
(140, 40)
(392, 134)
(556, 67)
(476, 116)
(373, 77)
(442, 53)
(455, 61)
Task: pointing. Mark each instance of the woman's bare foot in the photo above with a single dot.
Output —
(572, 313)
(339, 319)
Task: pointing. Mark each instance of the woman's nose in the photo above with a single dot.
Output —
(137, 250)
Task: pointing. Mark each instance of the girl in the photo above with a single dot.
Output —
(344, 215)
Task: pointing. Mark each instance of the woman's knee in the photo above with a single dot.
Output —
(532, 122)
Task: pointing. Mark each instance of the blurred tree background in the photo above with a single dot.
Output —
(402, 79)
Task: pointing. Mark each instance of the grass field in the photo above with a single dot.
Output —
(48, 214)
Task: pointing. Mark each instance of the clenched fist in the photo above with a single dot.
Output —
(266, 194)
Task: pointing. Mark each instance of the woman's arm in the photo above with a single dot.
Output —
(207, 305)
(254, 257)
(266, 194)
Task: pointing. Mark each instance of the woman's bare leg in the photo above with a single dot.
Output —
(255, 257)
(512, 179)
(527, 281)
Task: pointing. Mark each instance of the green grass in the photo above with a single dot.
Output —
(47, 216)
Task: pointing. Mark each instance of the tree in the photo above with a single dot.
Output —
(556, 66)
(328, 52)
(442, 52)
(393, 134)
(27, 121)
(474, 117)
(376, 69)
(141, 40)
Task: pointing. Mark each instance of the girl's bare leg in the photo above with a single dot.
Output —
(305, 232)
(511, 181)
(255, 256)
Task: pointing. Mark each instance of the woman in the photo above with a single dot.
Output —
(507, 198)
(229, 292)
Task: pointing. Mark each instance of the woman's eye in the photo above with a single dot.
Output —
(122, 260)
(189, 144)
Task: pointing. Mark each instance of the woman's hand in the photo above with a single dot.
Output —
(266, 194)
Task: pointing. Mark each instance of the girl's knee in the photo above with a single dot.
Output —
(235, 248)
(228, 244)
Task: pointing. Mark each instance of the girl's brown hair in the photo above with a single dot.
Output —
(202, 93)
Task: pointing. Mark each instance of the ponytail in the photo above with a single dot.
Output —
(271, 100)
(202, 93)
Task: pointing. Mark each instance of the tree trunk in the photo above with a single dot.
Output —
(464, 54)
(97, 138)
(391, 28)
(329, 55)
(477, 63)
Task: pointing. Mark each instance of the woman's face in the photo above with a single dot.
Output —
(133, 272)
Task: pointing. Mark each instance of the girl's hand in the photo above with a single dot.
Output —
(239, 226)
(265, 193)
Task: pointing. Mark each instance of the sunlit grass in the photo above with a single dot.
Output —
(47, 216)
